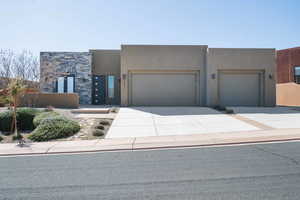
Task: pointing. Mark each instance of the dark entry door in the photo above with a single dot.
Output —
(99, 89)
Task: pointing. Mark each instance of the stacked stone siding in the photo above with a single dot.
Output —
(55, 64)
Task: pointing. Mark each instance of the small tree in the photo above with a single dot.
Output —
(15, 89)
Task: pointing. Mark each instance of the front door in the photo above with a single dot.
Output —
(105, 90)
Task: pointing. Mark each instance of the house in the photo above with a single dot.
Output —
(163, 75)
(288, 77)
(288, 65)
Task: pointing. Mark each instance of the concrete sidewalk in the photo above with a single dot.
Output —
(150, 142)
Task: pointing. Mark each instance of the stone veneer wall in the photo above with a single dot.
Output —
(55, 64)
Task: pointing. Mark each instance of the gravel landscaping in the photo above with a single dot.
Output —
(90, 127)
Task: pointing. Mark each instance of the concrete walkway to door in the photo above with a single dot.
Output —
(160, 121)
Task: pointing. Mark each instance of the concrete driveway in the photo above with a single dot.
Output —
(275, 117)
(160, 121)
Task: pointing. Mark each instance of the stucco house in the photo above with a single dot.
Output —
(163, 75)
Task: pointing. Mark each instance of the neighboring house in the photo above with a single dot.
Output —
(288, 77)
(159, 75)
(288, 65)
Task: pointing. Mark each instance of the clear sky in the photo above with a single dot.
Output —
(79, 25)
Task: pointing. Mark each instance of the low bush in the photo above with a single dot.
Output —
(220, 108)
(229, 111)
(98, 133)
(100, 127)
(6, 121)
(24, 118)
(17, 137)
(54, 128)
(44, 115)
(105, 123)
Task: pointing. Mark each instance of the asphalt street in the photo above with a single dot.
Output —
(261, 171)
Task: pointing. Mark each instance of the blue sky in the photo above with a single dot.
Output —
(79, 25)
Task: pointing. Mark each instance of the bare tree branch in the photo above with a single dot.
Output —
(22, 65)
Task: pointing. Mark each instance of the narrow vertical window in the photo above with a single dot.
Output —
(111, 86)
(60, 84)
(70, 84)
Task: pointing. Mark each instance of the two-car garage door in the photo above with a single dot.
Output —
(164, 88)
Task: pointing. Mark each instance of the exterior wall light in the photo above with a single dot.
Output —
(213, 76)
(270, 76)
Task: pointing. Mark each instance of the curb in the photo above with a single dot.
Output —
(154, 148)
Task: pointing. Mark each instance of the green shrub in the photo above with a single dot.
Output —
(6, 121)
(54, 128)
(97, 133)
(1, 138)
(105, 123)
(24, 118)
(44, 115)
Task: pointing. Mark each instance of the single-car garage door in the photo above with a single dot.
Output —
(240, 88)
(164, 88)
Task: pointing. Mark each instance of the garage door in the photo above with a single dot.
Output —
(174, 89)
(239, 89)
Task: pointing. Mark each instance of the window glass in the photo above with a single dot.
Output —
(297, 71)
(111, 86)
(70, 84)
(60, 84)
(297, 74)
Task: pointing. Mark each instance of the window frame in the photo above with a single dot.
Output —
(297, 77)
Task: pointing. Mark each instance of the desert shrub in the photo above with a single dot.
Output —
(105, 123)
(220, 108)
(54, 128)
(17, 137)
(6, 120)
(229, 111)
(24, 118)
(44, 115)
(114, 110)
(100, 127)
(98, 133)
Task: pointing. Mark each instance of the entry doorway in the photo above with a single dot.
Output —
(105, 90)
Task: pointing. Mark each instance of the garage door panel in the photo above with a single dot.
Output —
(164, 89)
(239, 89)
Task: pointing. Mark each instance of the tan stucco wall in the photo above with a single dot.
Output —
(105, 62)
(241, 59)
(288, 94)
(162, 58)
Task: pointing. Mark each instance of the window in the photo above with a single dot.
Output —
(65, 84)
(297, 74)
(111, 86)
(60, 85)
(70, 84)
